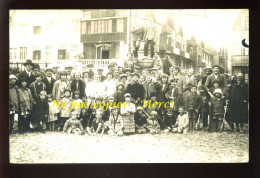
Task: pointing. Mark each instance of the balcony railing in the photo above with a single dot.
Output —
(98, 63)
(106, 37)
(240, 60)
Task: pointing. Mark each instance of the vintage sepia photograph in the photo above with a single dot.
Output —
(129, 86)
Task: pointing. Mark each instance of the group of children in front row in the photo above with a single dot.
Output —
(128, 119)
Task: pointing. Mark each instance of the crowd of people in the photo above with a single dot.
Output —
(42, 99)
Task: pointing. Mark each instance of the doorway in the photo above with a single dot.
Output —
(103, 51)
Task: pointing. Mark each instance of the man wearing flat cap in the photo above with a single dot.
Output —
(28, 72)
(216, 76)
(90, 71)
(167, 62)
(100, 74)
(68, 70)
(48, 80)
(208, 71)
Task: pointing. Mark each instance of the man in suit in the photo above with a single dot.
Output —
(208, 71)
(100, 74)
(149, 37)
(68, 70)
(167, 63)
(216, 76)
(48, 80)
(28, 72)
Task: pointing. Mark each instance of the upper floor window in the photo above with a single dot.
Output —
(23, 53)
(103, 26)
(37, 30)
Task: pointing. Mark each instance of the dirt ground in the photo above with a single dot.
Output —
(58, 147)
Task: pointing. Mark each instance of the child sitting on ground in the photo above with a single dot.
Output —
(182, 122)
(141, 120)
(73, 125)
(116, 123)
(169, 120)
(53, 112)
(97, 125)
(217, 110)
(153, 124)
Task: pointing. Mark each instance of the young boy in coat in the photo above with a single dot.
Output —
(182, 123)
(53, 113)
(41, 111)
(193, 106)
(217, 110)
(26, 106)
(141, 120)
(37, 86)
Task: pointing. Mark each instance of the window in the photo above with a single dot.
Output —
(37, 30)
(120, 25)
(23, 53)
(13, 53)
(62, 54)
(83, 27)
(37, 55)
(244, 23)
(48, 52)
(102, 26)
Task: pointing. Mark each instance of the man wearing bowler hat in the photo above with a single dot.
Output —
(28, 72)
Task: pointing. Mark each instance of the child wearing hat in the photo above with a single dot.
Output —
(116, 123)
(53, 113)
(65, 108)
(141, 120)
(41, 112)
(14, 100)
(182, 122)
(153, 124)
(37, 86)
(127, 111)
(217, 110)
(73, 125)
(120, 93)
(26, 106)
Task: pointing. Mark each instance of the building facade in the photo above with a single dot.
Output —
(240, 53)
(45, 36)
